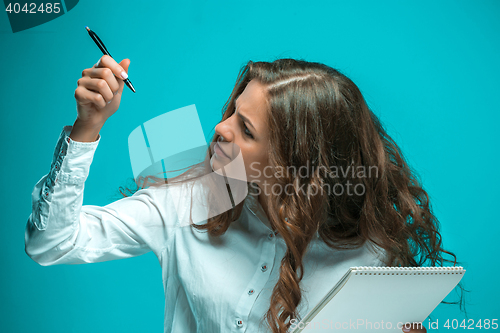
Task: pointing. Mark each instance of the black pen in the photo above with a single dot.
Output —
(100, 44)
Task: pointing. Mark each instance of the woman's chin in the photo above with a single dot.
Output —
(234, 169)
(216, 165)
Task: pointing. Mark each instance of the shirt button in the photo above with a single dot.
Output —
(250, 292)
(239, 322)
(263, 268)
(270, 236)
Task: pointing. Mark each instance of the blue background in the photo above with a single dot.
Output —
(429, 69)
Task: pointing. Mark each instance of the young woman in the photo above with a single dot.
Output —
(328, 189)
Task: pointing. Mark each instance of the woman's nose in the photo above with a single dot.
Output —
(223, 129)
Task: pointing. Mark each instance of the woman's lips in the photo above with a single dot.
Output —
(219, 151)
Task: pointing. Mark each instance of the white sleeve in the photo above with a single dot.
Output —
(62, 231)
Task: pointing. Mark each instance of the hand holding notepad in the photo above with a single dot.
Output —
(380, 299)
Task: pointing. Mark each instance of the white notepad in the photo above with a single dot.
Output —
(380, 299)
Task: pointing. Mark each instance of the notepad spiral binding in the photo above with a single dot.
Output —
(366, 270)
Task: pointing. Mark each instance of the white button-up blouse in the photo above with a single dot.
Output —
(221, 285)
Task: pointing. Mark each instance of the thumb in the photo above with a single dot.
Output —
(125, 63)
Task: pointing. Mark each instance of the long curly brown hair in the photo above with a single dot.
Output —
(318, 119)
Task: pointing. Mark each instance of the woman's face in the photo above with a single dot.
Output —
(246, 131)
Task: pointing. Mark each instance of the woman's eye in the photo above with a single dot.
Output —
(247, 132)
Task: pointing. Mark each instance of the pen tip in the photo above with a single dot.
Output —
(86, 27)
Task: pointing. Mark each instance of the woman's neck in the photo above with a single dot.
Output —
(263, 200)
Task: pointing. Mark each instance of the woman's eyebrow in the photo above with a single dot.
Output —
(245, 119)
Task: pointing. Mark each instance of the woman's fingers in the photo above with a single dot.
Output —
(99, 86)
(86, 97)
(108, 62)
(110, 71)
(98, 94)
(105, 74)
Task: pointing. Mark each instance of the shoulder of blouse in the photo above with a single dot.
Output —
(189, 200)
